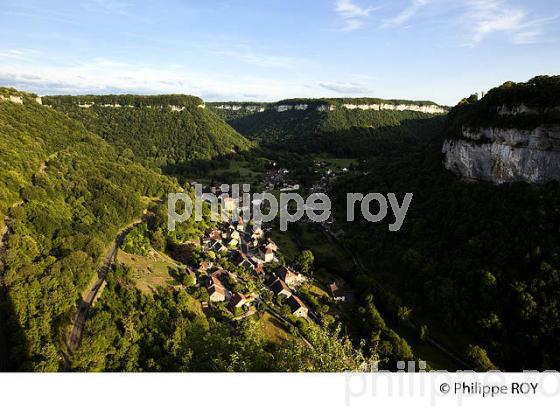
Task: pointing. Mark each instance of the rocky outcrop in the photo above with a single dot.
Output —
(428, 108)
(173, 108)
(16, 99)
(522, 109)
(505, 155)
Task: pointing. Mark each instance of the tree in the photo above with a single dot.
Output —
(158, 240)
(187, 280)
(404, 313)
(479, 359)
(304, 262)
(423, 332)
(330, 352)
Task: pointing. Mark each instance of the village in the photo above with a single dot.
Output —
(254, 269)
(239, 271)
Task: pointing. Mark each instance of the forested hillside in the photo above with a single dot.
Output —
(476, 263)
(512, 105)
(341, 132)
(156, 130)
(65, 194)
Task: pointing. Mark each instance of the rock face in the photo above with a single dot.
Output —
(505, 155)
(16, 99)
(427, 109)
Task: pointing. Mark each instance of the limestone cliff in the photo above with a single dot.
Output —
(506, 155)
(332, 104)
(512, 134)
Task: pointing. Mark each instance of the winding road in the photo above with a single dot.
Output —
(75, 336)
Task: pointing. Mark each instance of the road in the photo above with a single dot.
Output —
(75, 336)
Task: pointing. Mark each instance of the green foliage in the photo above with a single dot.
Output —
(372, 328)
(66, 193)
(304, 262)
(158, 240)
(477, 259)
(131, 331)
(540, 93)
(341, 132)
(478, 357)
(148, 128)
(137, 241)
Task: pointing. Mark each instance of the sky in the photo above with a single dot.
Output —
(266, 50)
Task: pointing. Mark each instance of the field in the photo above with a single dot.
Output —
(149, 271)
(241, 172)
(273, 330)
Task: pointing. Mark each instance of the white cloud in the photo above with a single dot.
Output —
(527, 37)
(479, 19)
(491, 16)
(103, 76)
(407, 13)
(500, 16)
(17, 54)
(345, 87)
(258, 59)
(353, 14)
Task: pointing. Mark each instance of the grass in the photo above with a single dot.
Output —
(149, 271)
(286, 244)
(246, 174)
(435, 358)
(273, 330)
(317, 291)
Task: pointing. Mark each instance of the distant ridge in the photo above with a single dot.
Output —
(159, 130)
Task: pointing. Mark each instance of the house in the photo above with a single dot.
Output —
(215, 235)
(259, 269)
(257, 232)
(254, 243)
(223, 275)
(241, 224)
(234, 234)
(232, 243)
(297, 307)
(289, 276)
(204, 266)
(270, 244)
(336, 291)
(216, 290)
(279, 287)
(243, 260)
(266, 252)
(237, 300)
(268, 255)
(217, 246)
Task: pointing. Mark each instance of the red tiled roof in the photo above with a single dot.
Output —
(295, 303)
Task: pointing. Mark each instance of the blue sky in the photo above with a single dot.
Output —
(266, 50)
